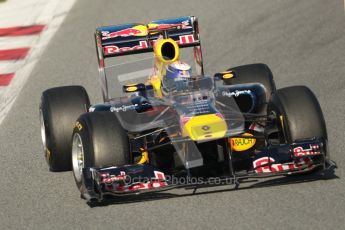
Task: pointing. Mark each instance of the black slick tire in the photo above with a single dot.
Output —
(254, 73)
(299, 113)
(104, 143)
(59, 109)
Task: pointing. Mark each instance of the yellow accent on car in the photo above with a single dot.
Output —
(228, 76)
(144, 156)
(78, 126)
(131, 88)
(158, 50)
(225, 75)
(142, 28)
(241, 144)
(48, 155)
(152, 26)
(156, 84)
(281, 118)
(205, 127)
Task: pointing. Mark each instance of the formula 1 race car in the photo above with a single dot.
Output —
(165, 124)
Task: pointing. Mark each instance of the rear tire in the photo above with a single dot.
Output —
(59, 109)
(254, 73)
(98, 141)
(301, 113)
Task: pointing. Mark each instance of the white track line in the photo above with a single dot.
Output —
(52, 15)
(10, 66)
(18, 42)
(24, 12)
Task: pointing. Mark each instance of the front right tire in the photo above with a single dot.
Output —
(299, 114)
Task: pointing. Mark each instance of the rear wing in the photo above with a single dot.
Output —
(139, 38)
(126, 39)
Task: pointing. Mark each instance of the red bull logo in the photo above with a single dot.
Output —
(140, 30)
(115, 49)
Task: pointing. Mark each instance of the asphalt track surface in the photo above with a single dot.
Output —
(302, 41)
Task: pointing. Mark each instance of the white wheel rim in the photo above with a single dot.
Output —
(77, 157)
(43, 132)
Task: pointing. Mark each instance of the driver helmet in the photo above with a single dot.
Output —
(176, 77)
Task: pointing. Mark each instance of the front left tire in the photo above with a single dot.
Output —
(98, 141)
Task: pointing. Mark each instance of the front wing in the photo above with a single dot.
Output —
(135, 179)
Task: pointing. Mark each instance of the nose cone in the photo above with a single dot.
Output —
(204, 127)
